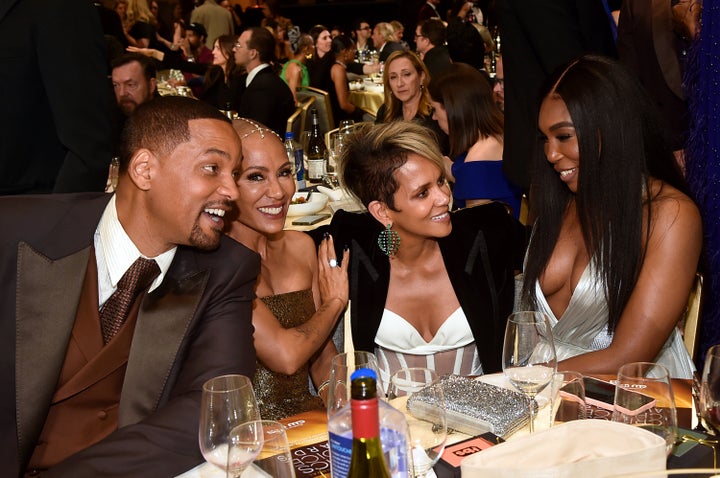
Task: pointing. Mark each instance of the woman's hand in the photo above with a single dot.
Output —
(333, 278)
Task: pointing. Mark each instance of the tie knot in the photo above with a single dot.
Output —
(140, 275)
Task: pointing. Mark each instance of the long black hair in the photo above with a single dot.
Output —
(621, 146)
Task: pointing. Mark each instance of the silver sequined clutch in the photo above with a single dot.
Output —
(474, 407)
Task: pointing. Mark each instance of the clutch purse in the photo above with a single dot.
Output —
(474, 407)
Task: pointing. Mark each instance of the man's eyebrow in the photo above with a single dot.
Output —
(217, 151)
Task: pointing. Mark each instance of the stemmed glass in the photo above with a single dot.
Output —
(428, 430)
(710, 391)
(529, 360)
(644, 398)
(227, 401)
(265, 442)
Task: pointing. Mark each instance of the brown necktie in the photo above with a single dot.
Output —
(114, 312)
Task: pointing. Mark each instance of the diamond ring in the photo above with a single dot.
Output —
(333, 263)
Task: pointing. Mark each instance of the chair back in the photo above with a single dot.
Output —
(297, 120)
(690, 324)
(322, 103)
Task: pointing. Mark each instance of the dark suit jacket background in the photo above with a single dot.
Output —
(437, 60)
(55, 126)
(268, 100)
(389, 47)
(646, 45)
(158, 431)
(537, 37)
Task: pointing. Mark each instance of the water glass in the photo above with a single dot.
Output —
(710, 391)
(265, 441)
(343, 365)
(644, 398)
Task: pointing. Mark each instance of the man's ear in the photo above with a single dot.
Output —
(142, 168)
(380, 212)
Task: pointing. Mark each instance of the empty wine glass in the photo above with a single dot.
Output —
(428, 426)
(710, 391)
(227, 401)
(644, 398)
(529, 360)
(264, 442)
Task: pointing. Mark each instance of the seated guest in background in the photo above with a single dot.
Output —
(283, 51)
(430, 42)
(343, 49)
(223, 77)
(300, 296)
(499, 86)
(140, 25)
(194, 44)
(383, 37)
(399, 31)
(406, 96)
(464, 108)
(262, 95)
(363, 42)
(616, 241)
(429, 10)
(322, 60)
(135, 300)
(294, 71)
(432, 288)
(133, 80)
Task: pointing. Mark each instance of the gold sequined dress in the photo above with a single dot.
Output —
(279, 395)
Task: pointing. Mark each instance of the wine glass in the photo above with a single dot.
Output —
(265, 442)
(227, 401)
(644, 398)
(529, 360)
(710, 391)
(427, 430)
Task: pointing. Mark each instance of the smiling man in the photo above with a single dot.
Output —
(116, 309)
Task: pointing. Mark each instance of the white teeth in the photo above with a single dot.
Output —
(567, 172)
(216, 212)
(440, 217)
(270, 210)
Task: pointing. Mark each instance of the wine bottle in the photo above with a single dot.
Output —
(366, 459)
(317, 151)
(296, 157)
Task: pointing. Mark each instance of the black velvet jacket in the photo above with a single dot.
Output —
(479, 254)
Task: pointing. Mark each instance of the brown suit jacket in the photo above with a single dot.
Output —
(195, 326)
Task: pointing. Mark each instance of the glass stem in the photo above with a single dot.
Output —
(532, 415)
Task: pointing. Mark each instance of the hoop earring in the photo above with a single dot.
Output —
(389, 241)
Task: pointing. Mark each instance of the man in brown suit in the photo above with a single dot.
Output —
(75, 402)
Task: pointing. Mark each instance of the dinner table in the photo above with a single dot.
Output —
(367, 93)
(307, 434)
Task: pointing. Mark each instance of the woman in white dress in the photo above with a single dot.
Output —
(616, 241)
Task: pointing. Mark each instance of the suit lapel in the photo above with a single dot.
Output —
(45, 316)
(165, 317)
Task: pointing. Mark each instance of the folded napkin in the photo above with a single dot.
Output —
(587, 448)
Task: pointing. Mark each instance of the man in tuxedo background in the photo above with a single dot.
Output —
(89, 393)
(263, 96)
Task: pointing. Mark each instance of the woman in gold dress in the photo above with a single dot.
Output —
(300, 294)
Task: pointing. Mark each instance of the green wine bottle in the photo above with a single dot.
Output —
(367, 459)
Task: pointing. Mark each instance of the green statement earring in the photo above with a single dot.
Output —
(389, 241)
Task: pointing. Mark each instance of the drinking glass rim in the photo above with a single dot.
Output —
(244, 378)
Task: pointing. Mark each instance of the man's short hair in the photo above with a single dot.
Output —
(147, 65)
(434, 30)
(162, 124)
(198, 28)
(264, 42)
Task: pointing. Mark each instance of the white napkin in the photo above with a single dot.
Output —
(206, 470)
(333, 194)
(587, 448)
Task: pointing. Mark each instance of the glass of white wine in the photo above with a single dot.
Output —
(529, 360)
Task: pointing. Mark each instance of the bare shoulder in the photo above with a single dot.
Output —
(301, 244)
(674, 211)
